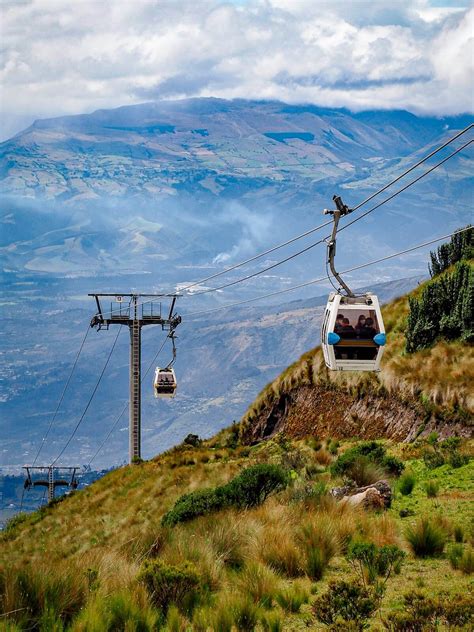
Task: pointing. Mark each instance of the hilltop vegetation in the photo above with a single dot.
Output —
(102, 560)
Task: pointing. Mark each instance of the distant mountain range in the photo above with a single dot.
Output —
(194, 180)
(153, 196)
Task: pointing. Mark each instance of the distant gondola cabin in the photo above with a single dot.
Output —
(165, 384)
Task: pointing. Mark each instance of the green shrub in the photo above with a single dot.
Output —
(444, 310)
(250, 488)
(456, 459)
(433, 459)
(432, 489)
(199, 503)
(363, 453)
(168, 584)
(370, 561)
(346, 601)
(254, 484)
(426, 538)
(406, 484)
(422, 613)
(461, 246)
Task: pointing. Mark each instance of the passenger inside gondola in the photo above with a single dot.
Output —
(360, 324)
(363, 329)
(339, 323)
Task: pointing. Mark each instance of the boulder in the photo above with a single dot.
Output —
(375, 496)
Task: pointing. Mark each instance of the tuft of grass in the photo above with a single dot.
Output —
(244, 612)
(458, 533)
(271, 622)
(260, 583)
(431, 489)
(426, 538)
(406, 483)
(292, 598)
(461, 558)
(319, 545)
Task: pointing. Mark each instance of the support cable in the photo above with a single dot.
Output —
(126, 405)
(372, 196)
(300, 252)
(316, 228)
(62, 395)
(90, 398)
(324, 278)
(438, 164)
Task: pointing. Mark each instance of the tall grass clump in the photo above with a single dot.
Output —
(461, 558)
(406, 483)
(431, 489)
(319, 545)
(42, 596)
(426, 538)
(259, 582)
(119, 611)
(271, 622)
(292, 597)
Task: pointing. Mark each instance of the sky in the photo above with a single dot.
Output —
(61, 57)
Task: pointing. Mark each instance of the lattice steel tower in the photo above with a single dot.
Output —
(135, 315)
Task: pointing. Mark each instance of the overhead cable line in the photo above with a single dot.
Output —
(126, 405)
(441, 162)
(257, 256)
(300, 252)
(62, 395)
(322, 279)
(312, 230)
(90, 398)
(420, 162)
(306, 233)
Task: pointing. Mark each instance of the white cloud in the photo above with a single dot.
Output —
(67, 57)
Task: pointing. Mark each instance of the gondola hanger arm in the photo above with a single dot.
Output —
(340, 210)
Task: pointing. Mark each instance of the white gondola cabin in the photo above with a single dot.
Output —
(165, 384)
(353, 333)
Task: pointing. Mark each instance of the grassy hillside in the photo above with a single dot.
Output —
(76, 565)
(434, 383)
(222, 536)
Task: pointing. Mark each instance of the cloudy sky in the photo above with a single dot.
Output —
(63, 56)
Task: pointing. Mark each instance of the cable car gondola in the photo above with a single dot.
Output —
(164, 383)
(352, 333)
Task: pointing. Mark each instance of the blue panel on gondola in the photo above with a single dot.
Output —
(380, 339)
(333, 338)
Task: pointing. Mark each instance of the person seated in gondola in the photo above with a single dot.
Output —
(360, 326)
(347, 330)
(339, 323)
(369, 330)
